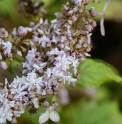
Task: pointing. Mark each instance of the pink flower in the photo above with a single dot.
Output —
(22, 31)
(3, 65)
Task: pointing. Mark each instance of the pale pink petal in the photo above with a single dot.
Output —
(54, 116)
(44, 117)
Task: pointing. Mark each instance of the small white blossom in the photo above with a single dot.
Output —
(53, 115)
(7, 47)
(5, 112)
(62, 62)
(31, 55)
(43, 40)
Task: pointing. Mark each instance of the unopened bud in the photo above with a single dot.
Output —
(78, 46)
(14, 121)
(85, 45)
(85, 2)
(48, 44)
(70, 22)
(22, 31)
(3, 65)
(43, 93)
(46, 104)
(88, 27)
(16, 107)
(19, 53)
(88, 49)
(80, 10)
(93, 12)
(10, 96)
(4, 32)
(72, 84)
(73, 54)
(56, 89)
(35, 39)
(55, 104)
(1, 85)
(93, 24)
(32, 24)
(74, 18)
(77, 2)
(49, 92)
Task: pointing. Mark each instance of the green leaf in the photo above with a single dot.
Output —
(95, 73)
(91, 112)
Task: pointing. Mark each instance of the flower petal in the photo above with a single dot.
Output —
(54, 116)
(44, 117)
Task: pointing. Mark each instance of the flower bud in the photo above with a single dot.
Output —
(93, 12)
(76, 2)
(93, 24)
(3, 65)
(74, 18)
(14, 121)
(56, 89)
(22, 31)
(85, 2)
(10, 96)
(88, 49)
(49, 92)
(46, 104)
(35, 39)
(19, 53)
(3, 31)
(85, 45)
(1, 85)
(88, 27)
(55, 104)
(32, 24)
(43, 93)
(72, 84)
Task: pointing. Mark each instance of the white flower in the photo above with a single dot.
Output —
(62, 62)
(33, 81)
(54, 39)
(31, 55)
(40, 66)
(5, 112)
(18, 89)
(69, 79)
(7, 47)
(53, 115)
(55, 51)
(35, 102)
(43, 40)
(74, 62)
(18, 113)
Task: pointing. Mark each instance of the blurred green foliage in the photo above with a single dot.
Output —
(95, 73)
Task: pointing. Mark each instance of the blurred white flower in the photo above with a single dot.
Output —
(53, 115)
(7, 47)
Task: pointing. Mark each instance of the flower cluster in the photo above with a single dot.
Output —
(51, 58)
